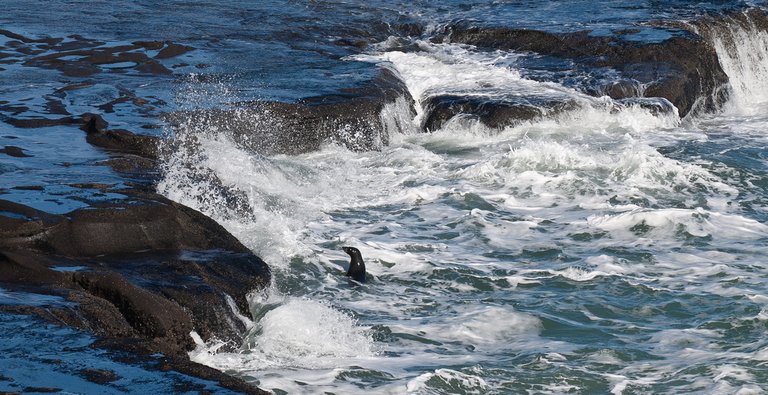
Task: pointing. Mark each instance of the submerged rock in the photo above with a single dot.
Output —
(14, 151)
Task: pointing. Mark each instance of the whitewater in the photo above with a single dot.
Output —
(610, 248)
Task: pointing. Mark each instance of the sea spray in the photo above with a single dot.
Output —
(566, 253)
(742, 49)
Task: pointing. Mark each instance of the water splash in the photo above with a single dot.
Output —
(741, 42)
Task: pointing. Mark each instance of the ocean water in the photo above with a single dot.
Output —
(604, 249)
(607, 249)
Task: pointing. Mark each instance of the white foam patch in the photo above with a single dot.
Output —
(457, 381)
(488, 326)
(605, 357)
(667, 223)
(304, 333)
(686, 341)
(297, 333)
(453, 69)
(580, 274)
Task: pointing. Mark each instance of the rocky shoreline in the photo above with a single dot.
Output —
(142, 272)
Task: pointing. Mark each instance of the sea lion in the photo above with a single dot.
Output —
(356, 265)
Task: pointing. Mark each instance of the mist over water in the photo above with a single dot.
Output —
(607, 248)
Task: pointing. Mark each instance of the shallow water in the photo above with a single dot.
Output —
(605, 249)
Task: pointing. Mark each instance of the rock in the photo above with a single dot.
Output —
(173, 50)
(156, 269)
(148, 314)
(620, 89)
(492, 112)
(133, 165)
(125, 142)
(684, 70)
(99, 376)
(40, 122)
(41, 390)
(655, 106)
(158, 224)
(14, 151)
(132, 153)
(351, 118)
(84, 57)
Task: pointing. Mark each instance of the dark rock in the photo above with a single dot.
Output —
(21, 38)
(29, 188)
(359, 44)
(121, 141)
(655, 106)
(85, 59)
(99, 376)
(351, 118)
(125, 142)
(90, 185)
(15, 110)
(680, 69)
(150, 315)
(14, 151)
(29, 269)
(133, 166)
(93, 123)
(492, 112)
(110, 106)
(40, 122)
(153, 67)
(621, 89)
(203, 283)
(156, 270)
(208, 373)
(56, 107)
(73, 87)
(41, 390)
(153, 225)
(173, 50)
(150, 45)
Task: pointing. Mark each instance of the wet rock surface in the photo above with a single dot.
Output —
(143, 275)
(494, 113)
(135, 269)
(352, 118)
(683, 70)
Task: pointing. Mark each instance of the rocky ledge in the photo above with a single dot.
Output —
(352, 118)
(682, 70)
(142, 271)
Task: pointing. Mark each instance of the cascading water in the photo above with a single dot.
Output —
(607, 248)
(742, 48)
